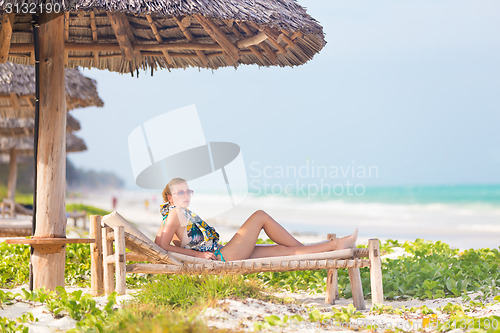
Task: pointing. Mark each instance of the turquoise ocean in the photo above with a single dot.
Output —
(423, 194)
(465, 216)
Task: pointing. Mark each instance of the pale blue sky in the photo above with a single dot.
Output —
(411, 87)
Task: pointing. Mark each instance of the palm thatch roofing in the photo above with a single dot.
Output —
(25, 127)
(22, 159)
(17, 91)
(24, 146)
(127, 35)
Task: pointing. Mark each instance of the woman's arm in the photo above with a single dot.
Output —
(166, 233)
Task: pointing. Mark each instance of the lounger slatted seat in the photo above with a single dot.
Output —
(114, 228)
(15, 229)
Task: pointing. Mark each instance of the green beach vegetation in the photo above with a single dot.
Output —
(164, 303)
(21, 197)
(430, 270)
(91, 210)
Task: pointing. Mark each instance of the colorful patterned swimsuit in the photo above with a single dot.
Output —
(201, 236)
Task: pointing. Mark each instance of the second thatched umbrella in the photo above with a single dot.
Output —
(18, 128)
(17, 91)
(17, 110)
(124, 36)
(14, 147)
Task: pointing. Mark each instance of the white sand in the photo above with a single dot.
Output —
(241, 315)
(46, 321)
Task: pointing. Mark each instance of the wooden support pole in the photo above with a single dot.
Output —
(332, 288)
(376, 272)
(357, 288)
(120, 260)
(96, 254)
(11, 184)
(66, 37)
(109, 268)
(48, 268)
(6, 35)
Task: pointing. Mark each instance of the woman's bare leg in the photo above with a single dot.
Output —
(260, 220)
(263, 251)
(242, 245)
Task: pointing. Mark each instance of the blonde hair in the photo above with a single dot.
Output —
(166, 191)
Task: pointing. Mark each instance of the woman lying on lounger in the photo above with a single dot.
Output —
(193, 236)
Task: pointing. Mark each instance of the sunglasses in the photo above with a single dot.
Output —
(183, 193)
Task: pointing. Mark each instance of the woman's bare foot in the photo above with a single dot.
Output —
(347, 242)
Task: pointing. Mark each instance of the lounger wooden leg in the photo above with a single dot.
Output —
(376, 272)
(357, 288)
(120, 260)
(109, 267)
(96, 285)
(332, 288)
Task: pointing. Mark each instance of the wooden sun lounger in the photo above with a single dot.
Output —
(10, 226)
(78, 216)
(12, 208)
(114, 228)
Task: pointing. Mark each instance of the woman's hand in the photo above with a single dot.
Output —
(206, 255)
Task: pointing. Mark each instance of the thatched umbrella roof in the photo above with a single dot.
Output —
(17, 90)
(124, 36)
(25, 127)
(22, 159)
(24, 146)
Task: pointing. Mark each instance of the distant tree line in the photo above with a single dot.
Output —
(76, 178)
(80, 178)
